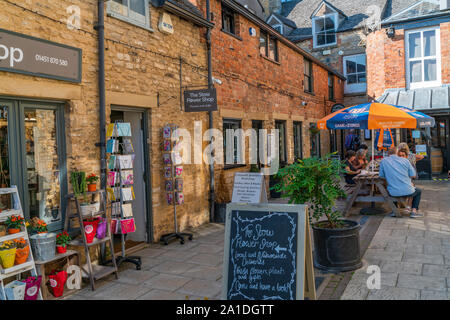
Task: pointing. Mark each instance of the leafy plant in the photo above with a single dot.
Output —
(37, 225)
(92, 178)
(14, 222)
(79, 184)
(63, 239)
(314, 181)
(20, 243)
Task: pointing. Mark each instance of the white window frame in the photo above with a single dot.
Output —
(335, 18)
(127, 18)
(275, 26)
(423, 84)
(354, 87)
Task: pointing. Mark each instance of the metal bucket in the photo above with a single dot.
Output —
(43, 246)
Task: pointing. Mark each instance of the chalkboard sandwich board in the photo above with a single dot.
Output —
(267, 254)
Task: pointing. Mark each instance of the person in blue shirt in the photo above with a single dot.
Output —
(398, 173)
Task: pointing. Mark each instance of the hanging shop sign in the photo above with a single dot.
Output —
(20, 53)
(165, 24)
(200, 100)
(267, 254)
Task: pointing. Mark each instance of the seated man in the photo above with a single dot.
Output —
(398, 173)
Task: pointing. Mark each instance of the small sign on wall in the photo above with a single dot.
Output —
(165, 24)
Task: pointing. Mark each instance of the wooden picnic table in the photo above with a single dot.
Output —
(376, 183)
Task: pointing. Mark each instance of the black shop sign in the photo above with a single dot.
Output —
(200, 100)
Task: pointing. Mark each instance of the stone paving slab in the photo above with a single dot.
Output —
(417, 250)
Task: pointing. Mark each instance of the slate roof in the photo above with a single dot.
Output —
(299, 12)
(419, 99)
(186, 5)
(422, 8)
(285, 20)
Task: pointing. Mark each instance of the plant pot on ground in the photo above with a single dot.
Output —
(222, 197)
(316, 182)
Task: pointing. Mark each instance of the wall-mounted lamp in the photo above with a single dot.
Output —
(390, 32)
(304, 103)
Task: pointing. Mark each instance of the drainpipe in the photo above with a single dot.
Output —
(210, 113)
(100, 27)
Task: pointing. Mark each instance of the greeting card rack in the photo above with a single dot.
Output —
(120, 185)
(173, 179)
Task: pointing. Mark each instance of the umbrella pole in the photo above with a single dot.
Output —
(373, 150)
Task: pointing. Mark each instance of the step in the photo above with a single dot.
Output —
(8, 237)
(80, 242)
(10, 212)
(6, 273)
(8, 190)
(98, 271)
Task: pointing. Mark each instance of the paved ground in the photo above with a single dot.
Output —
(413, 254)
(191, 271)
(414, 257)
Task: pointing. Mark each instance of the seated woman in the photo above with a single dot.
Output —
(350, 170)
(360, 161)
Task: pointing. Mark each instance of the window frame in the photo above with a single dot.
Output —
(235, 145)
(359, 87)
(279, 25)
(298, 145)
(127, 19)
(331, 87)
(422, 58)
(335, 20)
(311, 137)
(268, 40)
(310, 77)
(227, 11)
(282, 152)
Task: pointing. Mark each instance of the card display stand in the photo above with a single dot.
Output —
(93, 272)
(173, 175)
(120, 185)
(29, 265)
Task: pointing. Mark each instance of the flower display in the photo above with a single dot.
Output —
(14, 222)
(92, 178)
(20, 243)
(37, 226)
(63, 239)
(6, 245)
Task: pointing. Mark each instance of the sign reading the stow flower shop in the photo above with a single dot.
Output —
(267, 254)
(20, 53)
(200, 100)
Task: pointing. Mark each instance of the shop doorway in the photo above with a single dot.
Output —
(141, 204)
(33, 157)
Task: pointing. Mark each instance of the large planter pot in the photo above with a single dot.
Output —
(61, 249)
(7, 258)
(88, 209)
(22, 255)
(43, 246)
(13, 230)
(272, 182)
(337, 250)
(220, 212)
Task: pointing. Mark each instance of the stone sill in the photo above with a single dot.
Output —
(268, 59)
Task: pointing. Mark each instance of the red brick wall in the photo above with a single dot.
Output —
(256, 88)
(386, 60)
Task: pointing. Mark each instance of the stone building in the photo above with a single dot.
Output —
(408, 64)
(154, 51)
(335, 32)
(265, 81)
(57, 100)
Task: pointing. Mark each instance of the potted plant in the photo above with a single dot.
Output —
(222, 197)
(91, 182)
(37, 226)
(90, 228)
(22, 251)
(7, 254)
(62, 240)
(79, 184)
(14, 224)
(316, 182)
